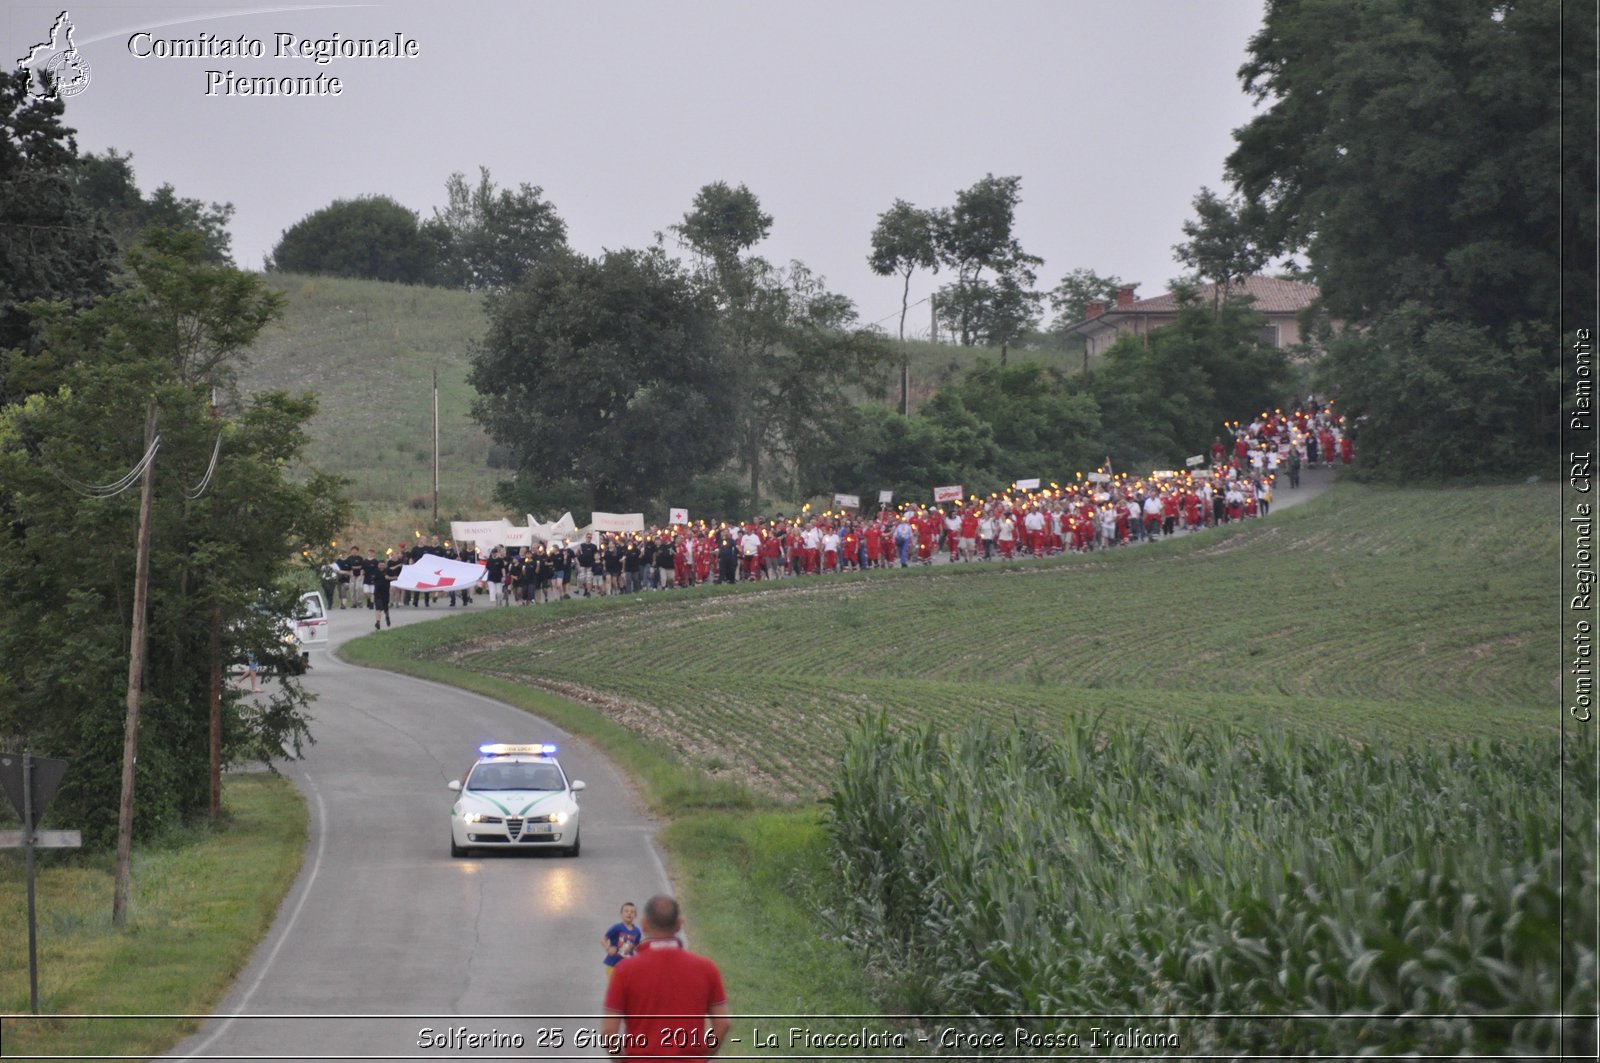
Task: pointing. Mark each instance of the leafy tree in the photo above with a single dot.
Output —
(52, 246)
(1009, 307)
(221, 540)
(1040, 424)
(1165, 399)
(1224, 243)
(877, 449)
(605, 373)
(793, 349)
(1415, 154)
(903, 242)
(724, 223)
(106, 183)
(976, 235)
(371, 237)
(1440, 398)
(488, 239)
(1070, 299)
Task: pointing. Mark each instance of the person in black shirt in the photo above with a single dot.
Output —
(727, 560)
(352, 567)
(588, 566)
(630, 567)
(494, 570)
(469, 554)
(613, 563)
(375, 575)
(666, 555)
(528, 577)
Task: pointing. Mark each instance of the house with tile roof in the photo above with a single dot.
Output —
(1279, 301)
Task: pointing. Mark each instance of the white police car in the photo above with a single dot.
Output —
(515, 797)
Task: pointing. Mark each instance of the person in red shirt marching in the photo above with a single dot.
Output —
(659, 1000)
(704, 551)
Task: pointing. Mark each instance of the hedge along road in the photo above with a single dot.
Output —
(384, 935)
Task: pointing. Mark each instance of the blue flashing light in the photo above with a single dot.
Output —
(508, 749)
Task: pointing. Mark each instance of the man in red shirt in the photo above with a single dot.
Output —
(659, 1000)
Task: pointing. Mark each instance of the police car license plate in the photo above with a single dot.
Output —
(539, 828)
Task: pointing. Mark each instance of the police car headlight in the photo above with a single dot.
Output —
(559, 817)
(479, 817)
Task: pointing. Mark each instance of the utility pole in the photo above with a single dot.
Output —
(130, 732)
(214, 752)
(436, 446)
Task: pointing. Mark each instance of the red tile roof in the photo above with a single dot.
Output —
(1272, 296)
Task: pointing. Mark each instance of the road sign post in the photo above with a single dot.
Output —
(30, 782)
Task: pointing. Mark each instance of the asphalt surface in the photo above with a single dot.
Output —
(387, 947)
(384, 936)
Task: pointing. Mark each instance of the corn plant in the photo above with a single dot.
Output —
(1329, 896)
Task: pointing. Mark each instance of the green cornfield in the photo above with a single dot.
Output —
(1252, 892)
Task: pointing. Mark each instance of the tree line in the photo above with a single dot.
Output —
(122, 329)
(656, 377)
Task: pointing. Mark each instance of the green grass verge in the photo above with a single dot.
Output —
(197, 909)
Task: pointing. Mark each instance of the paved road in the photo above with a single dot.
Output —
(382, 922)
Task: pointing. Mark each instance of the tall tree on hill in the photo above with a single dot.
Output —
(902, 243)
(1009, 307)
(1415, 154)
(1224, 245)
(976, 235)
(794, 348)
(371, 237)
(488, 239)
(52, 245)
(605, 373)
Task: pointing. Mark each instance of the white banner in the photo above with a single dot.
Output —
(1198, 459)
(432, 573)
(953, 493)
(617, 522)
(486, 533)
(518, 537)
(1099, 478)
(1027, 485)
(885, 498)
(1164, 474)
(677, 516)
(847, 501)
(549, 533)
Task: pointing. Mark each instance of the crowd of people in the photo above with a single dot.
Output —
(1101, 511)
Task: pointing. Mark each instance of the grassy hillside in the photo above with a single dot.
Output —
(369, 349)
(1372, 613)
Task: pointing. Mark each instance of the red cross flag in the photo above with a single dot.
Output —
(432, 573)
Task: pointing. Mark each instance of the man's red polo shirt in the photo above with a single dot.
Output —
(664, 979)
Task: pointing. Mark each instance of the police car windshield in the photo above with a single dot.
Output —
(514, 776)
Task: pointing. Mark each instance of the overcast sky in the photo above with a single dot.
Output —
(1114, 113)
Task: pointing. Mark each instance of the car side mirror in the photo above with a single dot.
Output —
(577, 784)
(454, 785)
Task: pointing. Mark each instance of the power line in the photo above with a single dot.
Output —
(205, 481)
(111, 490)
